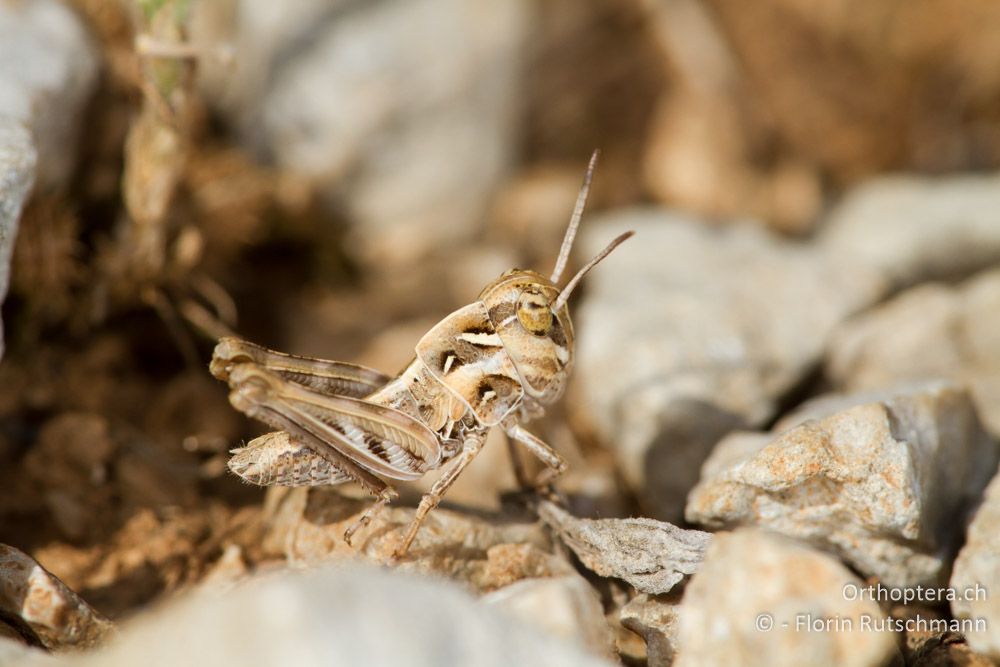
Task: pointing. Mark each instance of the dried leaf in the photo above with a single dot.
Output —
(651, 555)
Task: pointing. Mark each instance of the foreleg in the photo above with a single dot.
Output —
(555, 464)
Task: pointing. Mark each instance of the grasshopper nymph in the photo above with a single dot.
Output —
(496, 361)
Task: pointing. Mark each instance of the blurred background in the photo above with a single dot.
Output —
(332, 177)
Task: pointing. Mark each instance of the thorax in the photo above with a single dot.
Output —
(419, 394)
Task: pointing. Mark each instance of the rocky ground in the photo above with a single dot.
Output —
(786, 392)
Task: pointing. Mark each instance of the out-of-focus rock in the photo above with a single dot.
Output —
(336, 616)
(929, 331)
(47, 264)
(703, 152)
(565, 606)
(756, 601)
(919, 228)
(229, 569)
(978, 567)
(593, 82)
(191, 412)
(148, 475)
(851, 89)
(14, 652)
(699, 160)
(56, 616)
(50, 70)
(152, 555)
(653, 556)
(392, 348)
(746, 128)
(880, 484)
(70, 462)
(655, 619)
(944, 650)
(915, 631)
(928, 641)
(307, 526)
(404, 113)
(688, 332)
(697, 151)
(18, 157)
(533, 208)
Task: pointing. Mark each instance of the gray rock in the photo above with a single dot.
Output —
(978, 565)
(13, 652)
(688, 332)
(49, 73)
(653, 556)
(565, 606)
(54, 614)
(335, 616)
(306, 527)
(17, 173)
(929, 331)
(880, 484)
(754, 601)
(913, 228)
(655, 619)
(404, 112)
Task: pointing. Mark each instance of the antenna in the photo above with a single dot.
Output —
(574, 221)
(566, 291)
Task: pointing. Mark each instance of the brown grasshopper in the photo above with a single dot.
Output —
(496, 361)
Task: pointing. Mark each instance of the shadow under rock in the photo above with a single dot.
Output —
(685, 438)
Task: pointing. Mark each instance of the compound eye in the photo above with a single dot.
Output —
(533, 312)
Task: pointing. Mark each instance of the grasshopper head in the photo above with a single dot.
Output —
(538, 337)
(531, 315)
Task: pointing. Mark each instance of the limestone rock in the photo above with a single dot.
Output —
(688, 332)
(404, 113)
(655, 619)
(946, 649)
(13, 652)
(929, 331)
(978, 564)
(306, 526)
(564, 606)
(50, 71)
(54, 614)
(928, 638)
(911, 228)
(18, 157)
(755, 600)
(349, 615)
(651, 555)
(880, 483)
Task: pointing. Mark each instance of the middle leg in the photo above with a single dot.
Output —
(381, 501)
(470, 447)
